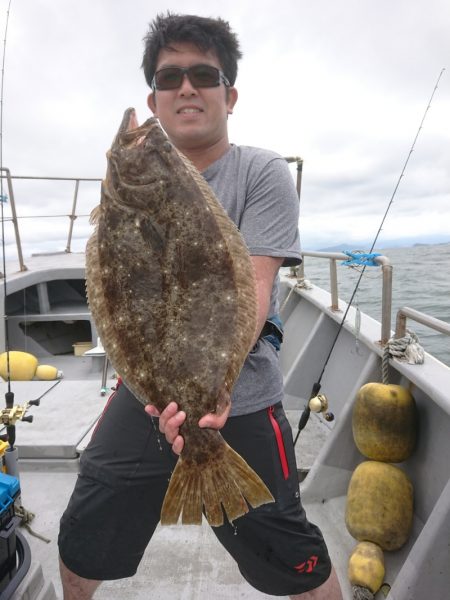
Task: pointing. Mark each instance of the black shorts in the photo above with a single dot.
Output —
(124, 473)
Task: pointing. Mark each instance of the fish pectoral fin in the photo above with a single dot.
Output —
(153, 235)
(217, 487)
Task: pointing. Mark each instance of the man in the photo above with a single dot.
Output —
(191, 65)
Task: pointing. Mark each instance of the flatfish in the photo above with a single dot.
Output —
(171, 288)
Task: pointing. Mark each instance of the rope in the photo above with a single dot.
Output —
(359, 258)
(301, 283)
(26, 517)
(304, 283)
(385, 365)
(406, 349)
(361, 593)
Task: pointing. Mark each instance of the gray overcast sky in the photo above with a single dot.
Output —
(342, 83)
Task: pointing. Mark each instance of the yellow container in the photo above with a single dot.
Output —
(3, 448)
(79, 348)
(48, 373)
(22, 366)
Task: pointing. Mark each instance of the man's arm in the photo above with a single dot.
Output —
(265, 270)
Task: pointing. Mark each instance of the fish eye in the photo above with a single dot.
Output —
(167, 146)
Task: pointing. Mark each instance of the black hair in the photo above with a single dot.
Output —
(205, 33)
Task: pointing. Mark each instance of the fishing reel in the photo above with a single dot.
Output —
(319, 404)
(9, 416)
(13, 413)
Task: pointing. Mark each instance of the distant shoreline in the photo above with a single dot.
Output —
(387, 246)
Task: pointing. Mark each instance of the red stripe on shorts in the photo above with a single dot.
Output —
(280, 442)
(108, 402)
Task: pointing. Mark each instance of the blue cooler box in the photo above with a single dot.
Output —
(9, 490)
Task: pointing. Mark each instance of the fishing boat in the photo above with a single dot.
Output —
(45, 314)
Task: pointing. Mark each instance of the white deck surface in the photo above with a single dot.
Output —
(183, 562)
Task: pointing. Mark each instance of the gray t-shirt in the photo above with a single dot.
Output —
(257, 190)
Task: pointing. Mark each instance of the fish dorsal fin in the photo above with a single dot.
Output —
(95, 215)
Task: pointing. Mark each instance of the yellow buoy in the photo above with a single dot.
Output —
(366, 566)
(22, 365)
(385, 422)
(48, 373)
(379, 505)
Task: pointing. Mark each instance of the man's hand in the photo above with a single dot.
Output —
(171, 419)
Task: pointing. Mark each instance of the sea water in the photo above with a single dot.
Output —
(421, 280)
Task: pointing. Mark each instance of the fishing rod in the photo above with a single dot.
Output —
(317, 401)
(2, 196)
(11, 414)
(9, 396)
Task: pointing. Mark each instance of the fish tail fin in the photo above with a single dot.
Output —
(216, 486)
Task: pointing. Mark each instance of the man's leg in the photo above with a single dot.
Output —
(330, 590)
(278, 551)
(116, 504)
(75, 587)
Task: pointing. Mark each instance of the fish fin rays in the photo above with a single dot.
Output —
(216, 488)
(95, 215)
(154, 236)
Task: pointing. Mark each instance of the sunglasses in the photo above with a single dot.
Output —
(200, 76)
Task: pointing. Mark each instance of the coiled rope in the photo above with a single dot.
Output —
(407, 349)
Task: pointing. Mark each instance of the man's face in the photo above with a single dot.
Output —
(193, 118)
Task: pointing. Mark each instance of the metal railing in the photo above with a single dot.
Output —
(386, 291)
(6, 174)
(14, 216)
(333, 257)
(299, 163)
(386, 297)
(419, 317)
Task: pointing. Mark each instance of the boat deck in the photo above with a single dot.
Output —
(187, 561)
(183, 562)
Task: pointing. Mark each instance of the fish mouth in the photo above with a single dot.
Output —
(136, 136)
(134, 146)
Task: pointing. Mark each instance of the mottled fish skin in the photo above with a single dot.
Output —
(172, 293)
